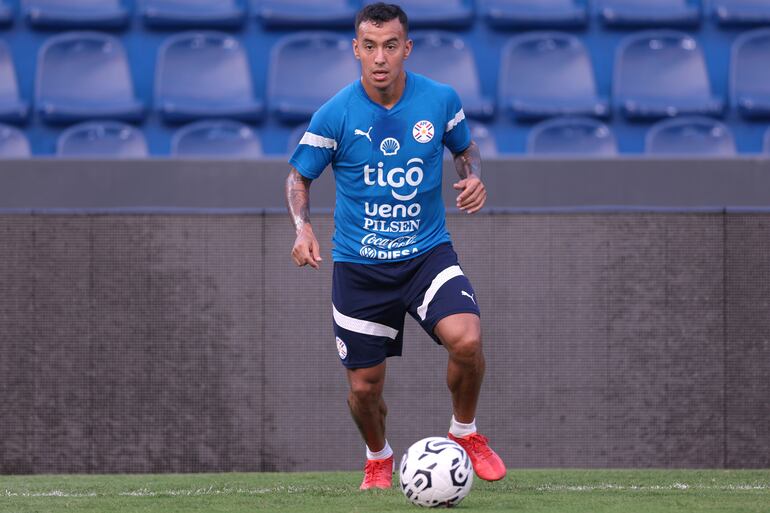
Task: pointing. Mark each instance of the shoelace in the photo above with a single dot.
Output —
(375, 470)
(480, 445)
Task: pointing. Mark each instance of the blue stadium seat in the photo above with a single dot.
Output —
(222, 14)
(445, 57)
(750, 74)
(102, 139)
(84, 75)
(6, 13)
(766, 142)
(303, 14)
(222, 139)
(514, 14)
(545, 74)
(741, 12)
(484, 139)
(12, 108)
(204, 75)
(650, 13)
(306, 69)
(572, 136)
(697, 136)
(77, 14)
(295, 136)
(662, 74)
(13, 143)
(437, 13)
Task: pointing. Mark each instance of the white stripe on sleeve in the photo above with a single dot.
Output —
(440, 279)
(455, 121)
(318, 141)
(364, 327)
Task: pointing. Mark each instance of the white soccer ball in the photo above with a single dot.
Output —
(436, 472)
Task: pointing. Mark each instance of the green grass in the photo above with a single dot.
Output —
(539, 491)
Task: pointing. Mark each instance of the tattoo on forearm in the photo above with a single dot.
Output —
(468, 162)
(298, 198)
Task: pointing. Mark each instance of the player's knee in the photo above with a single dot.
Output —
(365, 392)
(465, 345)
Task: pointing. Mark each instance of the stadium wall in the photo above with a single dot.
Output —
(188, 342)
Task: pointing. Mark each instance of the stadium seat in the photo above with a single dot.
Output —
(650, 13)
(295, 136)
(306, 69)
(222, 139)
(484, 139)
(304, 14)
(12, 108)
(661, 74)
(514, 14)
(204, 75)
(13, 143)
(437, 13)
(77, 14)
(102, 139)
(6, 13)
(445, 57)
(545, 74)
(766, 142)
(572, 136)
(697, 136)
(84, 75)
(741, 12)
(222, 14)
(750, 74)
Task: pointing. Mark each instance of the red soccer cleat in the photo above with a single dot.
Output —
(378, 474)
(486, 462)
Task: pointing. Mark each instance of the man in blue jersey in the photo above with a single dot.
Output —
(384, 136)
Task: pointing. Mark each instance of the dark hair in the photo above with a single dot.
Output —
(380, 13)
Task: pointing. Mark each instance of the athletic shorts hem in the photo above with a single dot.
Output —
(365, 365)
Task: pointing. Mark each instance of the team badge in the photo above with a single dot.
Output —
(423, 131)
(342, 349)
(389, 146)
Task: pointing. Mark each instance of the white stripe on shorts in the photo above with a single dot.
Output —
(361, 326)
(440, 279)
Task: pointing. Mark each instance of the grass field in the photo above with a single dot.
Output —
(540, 491)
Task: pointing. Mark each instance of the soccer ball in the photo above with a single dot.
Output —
(436, 472)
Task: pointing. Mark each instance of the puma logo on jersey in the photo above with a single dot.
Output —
(365, 134)
(469, 295)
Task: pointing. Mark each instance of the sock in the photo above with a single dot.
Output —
(459, 429)
(386, 452)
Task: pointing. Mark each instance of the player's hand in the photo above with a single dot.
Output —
(472, 195)
(306, 250)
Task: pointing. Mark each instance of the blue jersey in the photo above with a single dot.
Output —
(387, 167)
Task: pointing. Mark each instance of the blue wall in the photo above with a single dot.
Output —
(142, 44)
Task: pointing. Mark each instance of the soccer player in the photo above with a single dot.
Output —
(384, 136)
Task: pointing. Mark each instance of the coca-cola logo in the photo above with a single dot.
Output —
(372, 239)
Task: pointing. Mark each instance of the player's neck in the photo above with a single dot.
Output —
(389, 96)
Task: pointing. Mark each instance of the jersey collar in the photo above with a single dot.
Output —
(408, 89)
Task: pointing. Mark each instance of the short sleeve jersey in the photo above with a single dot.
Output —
(387, 167)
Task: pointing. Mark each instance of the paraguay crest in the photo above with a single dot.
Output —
(423, 131)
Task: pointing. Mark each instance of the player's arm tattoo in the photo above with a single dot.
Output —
(468, 162)
(298, 198)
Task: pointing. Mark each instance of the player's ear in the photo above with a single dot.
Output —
(355, 49)
(408, 48)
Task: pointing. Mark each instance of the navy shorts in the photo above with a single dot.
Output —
(370, 302)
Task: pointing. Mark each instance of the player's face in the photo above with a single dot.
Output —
(382, 51)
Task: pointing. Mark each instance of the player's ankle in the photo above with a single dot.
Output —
(460, 429)
(384, 453)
